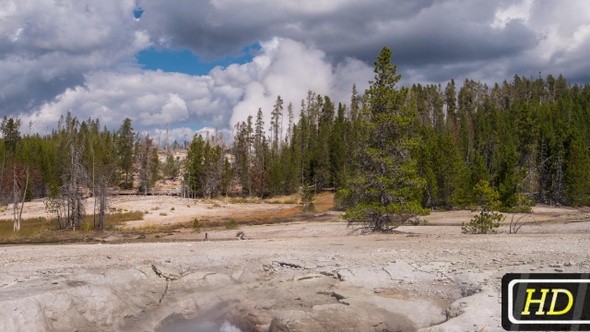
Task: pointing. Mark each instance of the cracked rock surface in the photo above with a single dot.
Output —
(433, 280)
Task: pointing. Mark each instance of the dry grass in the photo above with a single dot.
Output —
(244, 200)
(29, 228)
(213, 201)
(292, 199)
(324, 201)
(42, 229)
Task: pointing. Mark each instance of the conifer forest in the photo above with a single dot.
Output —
(389, 153)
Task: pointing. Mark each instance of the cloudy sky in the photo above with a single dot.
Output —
(194, 64)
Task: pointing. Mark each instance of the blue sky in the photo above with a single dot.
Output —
(185, 61)
(206, 65)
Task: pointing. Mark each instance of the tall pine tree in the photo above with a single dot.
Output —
(385, 193)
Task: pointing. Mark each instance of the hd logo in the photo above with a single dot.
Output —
(546, 302)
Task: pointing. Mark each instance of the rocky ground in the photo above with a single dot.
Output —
(312, 275)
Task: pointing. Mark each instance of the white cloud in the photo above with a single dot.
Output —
(155, 99)
(78, 56)
(49, 45)
(291, 69)
(518, 11)
(151, 99)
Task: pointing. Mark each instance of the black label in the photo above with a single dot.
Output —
(546, 302)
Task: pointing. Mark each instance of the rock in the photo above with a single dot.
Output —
(337, 317)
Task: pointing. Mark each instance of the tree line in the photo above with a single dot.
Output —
(390, 153)
(79, 159)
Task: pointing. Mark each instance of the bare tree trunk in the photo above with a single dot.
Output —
(23, 201)
(15, 200)
(93, 192)
(2, 179)
(103, 202)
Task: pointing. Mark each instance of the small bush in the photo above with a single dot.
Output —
(196, 225)
(163, 214)
(488, 218)
(519, 209)
(232, 224)
(307, 198)
(485, 222)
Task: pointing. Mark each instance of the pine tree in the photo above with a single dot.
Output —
(577, 172)
(337, 144)
(11, 134)
(260, 164)
(323, 175)
(195, 172)
(386, 191)
(242, 151)
(276, 124)
(125, 141)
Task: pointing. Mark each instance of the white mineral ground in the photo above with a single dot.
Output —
(309, 275)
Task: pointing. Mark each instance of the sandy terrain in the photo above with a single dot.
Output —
(165, 210)
(309, 275)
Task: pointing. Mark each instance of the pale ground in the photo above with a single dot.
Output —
(310, 275)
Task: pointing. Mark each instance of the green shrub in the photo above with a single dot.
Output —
(232, 224)
(488, 218)
(196, 225)
(483, 223)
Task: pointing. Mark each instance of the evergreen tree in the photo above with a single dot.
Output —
(194, 168)
(11, 134)
(125, 147)
(242, 151)
(337, 144)
(323, 176)
(577, 172)
(276, 124)
(260, 165)
(386, 191)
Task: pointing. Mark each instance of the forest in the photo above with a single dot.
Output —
(388, 151)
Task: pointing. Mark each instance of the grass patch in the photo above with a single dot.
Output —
(245, 200)
(213, 201)
(118, 218)
(232, 224)
(43, 229)
(293, 199)
(28, 228)
(196, 225)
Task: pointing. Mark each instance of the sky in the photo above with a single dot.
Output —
(198, 65)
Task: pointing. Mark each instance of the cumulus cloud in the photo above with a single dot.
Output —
(79, 56)
(152, 99)
(431, 40)
(155, 100)
(47, 46)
